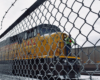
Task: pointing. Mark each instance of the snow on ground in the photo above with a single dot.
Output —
(86, 77)
(10, 77)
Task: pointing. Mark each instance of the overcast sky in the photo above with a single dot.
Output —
(16, 11)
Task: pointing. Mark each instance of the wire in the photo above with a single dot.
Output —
(24, 9)
(7, 12)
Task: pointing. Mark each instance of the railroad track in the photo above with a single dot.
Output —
(95, 73)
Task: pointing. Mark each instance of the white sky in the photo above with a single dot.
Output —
(15, 12)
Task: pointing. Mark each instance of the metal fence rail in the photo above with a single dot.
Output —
(48, 40)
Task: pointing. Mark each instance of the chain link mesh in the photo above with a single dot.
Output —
(38, 45)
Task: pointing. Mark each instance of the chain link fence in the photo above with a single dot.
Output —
(53, 40)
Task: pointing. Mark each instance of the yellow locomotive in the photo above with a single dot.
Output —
(39, 51)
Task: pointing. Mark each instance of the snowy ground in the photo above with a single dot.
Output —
(9, 77)
(84, 77)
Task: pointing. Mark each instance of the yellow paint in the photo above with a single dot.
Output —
(38, 47)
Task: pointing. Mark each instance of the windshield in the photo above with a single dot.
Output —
(49, 30)
(42, 29)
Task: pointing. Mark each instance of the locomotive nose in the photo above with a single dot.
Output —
(64, 36)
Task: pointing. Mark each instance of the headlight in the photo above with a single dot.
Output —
(65, 60)
(65, 35)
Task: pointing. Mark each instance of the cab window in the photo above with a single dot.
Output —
(29, 34)
(25, 37)
(53, 30)
(35, 33)
(48, 30)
